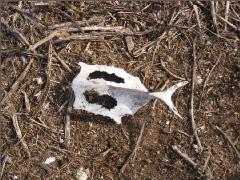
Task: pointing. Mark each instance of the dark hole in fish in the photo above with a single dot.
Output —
(106, 101)
(104, 75)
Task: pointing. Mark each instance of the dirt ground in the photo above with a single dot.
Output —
(150, 40)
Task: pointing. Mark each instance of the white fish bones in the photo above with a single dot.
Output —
(119, 92)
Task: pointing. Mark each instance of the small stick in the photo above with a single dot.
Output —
(221, 18)
(28, 15)
(80, 23)
(207, 160)
(207, 79)
(70, 18)
(62, 62)
(44, 94)
(27, 103)
(230, 141)
(2, 163)
(67, 119)
(226, 13)
(15, 33)
(44, 40)
(132, 155)
(149, 44)
(194, 127)
(79, 37)
(170, 73)
(197, 15)
(184, 156)
(229, 23)
(15, 85)
(16, 14)
(19, 134)
(213, 12)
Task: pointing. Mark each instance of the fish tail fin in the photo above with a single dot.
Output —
(166, 96)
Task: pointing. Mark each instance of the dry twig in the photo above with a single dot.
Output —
(44, 94)
(62, 62)
(19, 134)
(229, 141)
(226, 13)
(15, 85)
(132, 155)
(67, 119)
(194, 127)
(80, 37)
(184, 156)
(221, 18)
(80, 23)
(2, 163)
(27, 103)
(213, 12)
(28, 15)
(207, 79)
(170, 73)
(44, 40)
(197, 15)
(15, 33)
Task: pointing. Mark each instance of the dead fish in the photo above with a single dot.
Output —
(112, 92)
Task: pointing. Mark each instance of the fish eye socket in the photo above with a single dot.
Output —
(106, 76)
(105, 100)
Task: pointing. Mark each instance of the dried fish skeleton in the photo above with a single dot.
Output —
(112, 92)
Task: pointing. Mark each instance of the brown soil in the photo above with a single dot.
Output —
(97, 144)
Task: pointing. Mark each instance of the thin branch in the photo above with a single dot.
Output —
(68, 119)
(170, 73)
(15, 85)
(197, 15)
(19, 134)
(226, 13)
(15, 33)
(184, 156)
(132, 155)
(221, 18)
(62, 62)
(80, 23)
(44, 94)
(194, 127)
(2, 163)
(207, 79)
(44, 40)
(28, 15)
(80, 37)
(229, 141)
(70, 18)
(213, 12)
